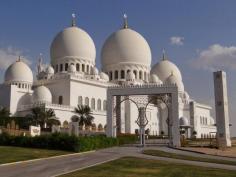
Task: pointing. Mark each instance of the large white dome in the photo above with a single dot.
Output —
(42, 95)
(18, 72)
(164, 68)
(125, 46)
(73, 42)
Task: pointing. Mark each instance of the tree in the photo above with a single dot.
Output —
(4, 112)
(43, 117)
(84, 115)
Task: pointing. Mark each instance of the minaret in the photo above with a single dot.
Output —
(221, 107)
(39, 66)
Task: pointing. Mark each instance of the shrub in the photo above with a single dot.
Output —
(59, 141)
(127, 138)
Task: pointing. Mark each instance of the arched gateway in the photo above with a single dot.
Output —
(165, 93)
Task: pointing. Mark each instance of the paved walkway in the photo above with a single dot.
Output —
(54, 166)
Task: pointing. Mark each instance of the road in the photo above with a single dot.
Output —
(54, 166)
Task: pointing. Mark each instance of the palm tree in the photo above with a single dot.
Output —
(43, 117)
(84, 115)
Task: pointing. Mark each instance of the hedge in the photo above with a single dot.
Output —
(60, 141)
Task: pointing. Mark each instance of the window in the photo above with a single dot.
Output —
(56, 68)
(80, 100)
(83, 68)
(116, 74)
(60, 100)
(122, 74)
(66, 66)
(61, 67)
(110, 75)
(87, 68)
(135, 73)
(99, 104)
(104, 105)
(140, 74)
(93, 103)
(77, 67)
(87, 101)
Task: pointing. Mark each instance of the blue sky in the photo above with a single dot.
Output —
(204, 34)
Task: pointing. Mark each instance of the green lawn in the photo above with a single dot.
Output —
(136, 167)
(13, 154)
(186, 157)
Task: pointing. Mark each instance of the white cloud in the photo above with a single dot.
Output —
(216, 57)
(177, 40)
(9, 55)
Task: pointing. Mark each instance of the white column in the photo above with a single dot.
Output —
(174, 120)
(221, 107)
(110, 121)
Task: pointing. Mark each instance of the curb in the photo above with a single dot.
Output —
(78, 169)
(45, 158)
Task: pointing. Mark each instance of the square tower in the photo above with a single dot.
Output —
(221, 108)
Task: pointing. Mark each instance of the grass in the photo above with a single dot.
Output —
(13, 154)
(186, 157)
(136, 167)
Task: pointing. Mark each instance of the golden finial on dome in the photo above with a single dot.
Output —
(73, 23)
(19, 58)
(164, 54)
(125, 21)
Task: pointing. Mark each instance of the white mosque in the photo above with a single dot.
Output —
(72, 79)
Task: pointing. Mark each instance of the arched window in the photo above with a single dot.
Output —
(60, 100)
(83, 68)
(87, 68)
(61, 67)
(99, 104)
(116, 74)
(56, 68)
(80, 100)
(19, 85)
(77, 67)
(110, 75)
(100, 128)
(66, 66)
(122, 74)
(104, 105)
(93, 103)
(135, 73)
(94, 127)
(87, 101)
(140, 75)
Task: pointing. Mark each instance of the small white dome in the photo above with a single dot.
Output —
(174, 80)
(18, 72)
(42, 94)
(94, 71)
(130, 76)
(183, 121)
(73, 42)
(125, 46)
(50, 70)
(104, 76)
(72, 68)
(164, 68)
(154, 79)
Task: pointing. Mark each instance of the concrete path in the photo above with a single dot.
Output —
(55, 166)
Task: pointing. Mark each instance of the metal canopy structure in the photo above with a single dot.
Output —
(115, 93)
